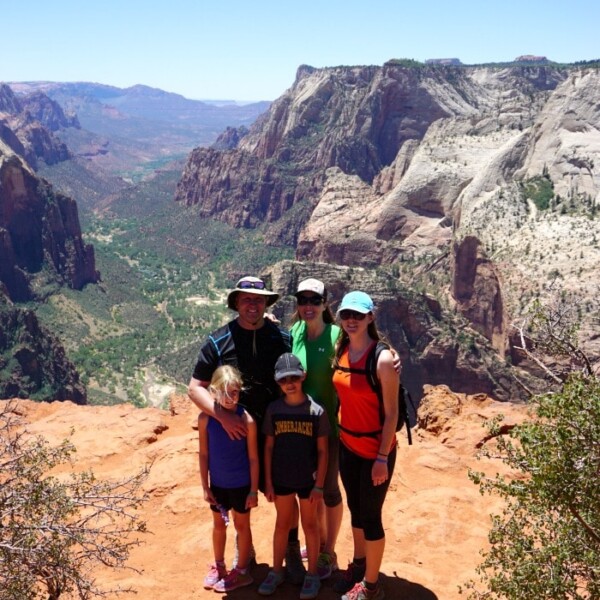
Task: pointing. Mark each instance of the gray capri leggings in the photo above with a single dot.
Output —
(365, 500)
(332, 495)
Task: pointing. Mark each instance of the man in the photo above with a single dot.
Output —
(252, 344)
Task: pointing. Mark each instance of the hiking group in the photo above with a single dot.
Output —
(286, 413)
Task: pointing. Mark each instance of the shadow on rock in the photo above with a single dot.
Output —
(397, 588)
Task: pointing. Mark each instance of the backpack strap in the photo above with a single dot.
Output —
(219, 340)
(403, 394)
(369, 376)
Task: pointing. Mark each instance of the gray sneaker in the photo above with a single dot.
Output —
(350, 577)
(293, 564)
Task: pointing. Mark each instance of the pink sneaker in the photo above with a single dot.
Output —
(215, 574)
(236, 579)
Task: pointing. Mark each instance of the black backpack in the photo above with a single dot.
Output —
(371, 374)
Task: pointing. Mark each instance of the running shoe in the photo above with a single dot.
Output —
(216, 572)
(351, 576)
(271, 582)
(327, 564)
(236, 579)
(310, 587)
(360, 592)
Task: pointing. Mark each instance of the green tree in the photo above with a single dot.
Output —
(546, 542)
(54, 532)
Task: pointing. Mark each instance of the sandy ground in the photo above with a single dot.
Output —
(435, 519)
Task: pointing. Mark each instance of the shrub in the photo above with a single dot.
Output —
(546, 543)
(540, 190)
(53, 532)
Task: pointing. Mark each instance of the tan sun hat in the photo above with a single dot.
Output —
(312, 285)
(251, 285)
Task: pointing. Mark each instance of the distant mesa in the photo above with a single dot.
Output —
(525, 58)
(443, 61)
(530, 58)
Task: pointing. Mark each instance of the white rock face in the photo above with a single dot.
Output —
(464, 178)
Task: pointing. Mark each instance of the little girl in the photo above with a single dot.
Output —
(233, 467)
(296, 430)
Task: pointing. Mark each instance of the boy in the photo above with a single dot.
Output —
(296, 430)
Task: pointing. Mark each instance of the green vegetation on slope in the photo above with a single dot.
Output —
(164, 274)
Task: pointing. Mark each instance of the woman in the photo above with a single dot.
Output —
(366, 462)
(314, 335)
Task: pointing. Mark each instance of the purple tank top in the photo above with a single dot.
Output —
(228, 463)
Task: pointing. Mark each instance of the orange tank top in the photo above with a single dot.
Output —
(359, 406)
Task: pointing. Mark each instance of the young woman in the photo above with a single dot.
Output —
(229, 475)
(314, 335)
(366, 461)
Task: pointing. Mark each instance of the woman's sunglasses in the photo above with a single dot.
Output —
(351, 314)
(314, 300)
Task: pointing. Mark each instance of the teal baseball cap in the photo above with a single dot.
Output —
(357, 301)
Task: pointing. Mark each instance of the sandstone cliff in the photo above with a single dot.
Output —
(426, 169)
(33, 120)
(436, 520)
(436, 345)
(39, 231)
(33, 362)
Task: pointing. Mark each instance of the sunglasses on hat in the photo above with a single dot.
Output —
(251, 285)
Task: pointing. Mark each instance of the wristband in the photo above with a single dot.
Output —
(316, 488)
(382, 454)
(252, 493)
(381, 460)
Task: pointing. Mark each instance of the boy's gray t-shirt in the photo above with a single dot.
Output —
(295, 429)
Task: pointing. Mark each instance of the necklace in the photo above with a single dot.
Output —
(354, 355)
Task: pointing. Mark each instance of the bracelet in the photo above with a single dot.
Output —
(316, 488)
(381, 460)
(381, 454)
(252, 493)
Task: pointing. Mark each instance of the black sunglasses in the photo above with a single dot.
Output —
(314, 300)
(351, 314)
(251, 285)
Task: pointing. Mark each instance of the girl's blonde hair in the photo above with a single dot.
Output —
(225, 377)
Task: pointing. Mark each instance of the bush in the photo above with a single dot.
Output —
(53, 532)
(546, 543)
(540, 190)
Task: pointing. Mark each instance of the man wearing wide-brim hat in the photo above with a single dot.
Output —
(250, 285)
(252, 344)
(249, 342)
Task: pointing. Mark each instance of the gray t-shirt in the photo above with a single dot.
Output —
(295, 429)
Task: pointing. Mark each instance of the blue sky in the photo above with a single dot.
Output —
(244, 50)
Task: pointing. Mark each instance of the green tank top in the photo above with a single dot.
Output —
(316, 357)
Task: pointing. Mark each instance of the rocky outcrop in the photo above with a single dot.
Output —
(33, 362)
(230, 138)
(32, 121)
(47, 112)
(434, 515)
(354, 118)
(364, 121)
(477, 290)
(40, 235)
(370, 166)
(436, 346)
